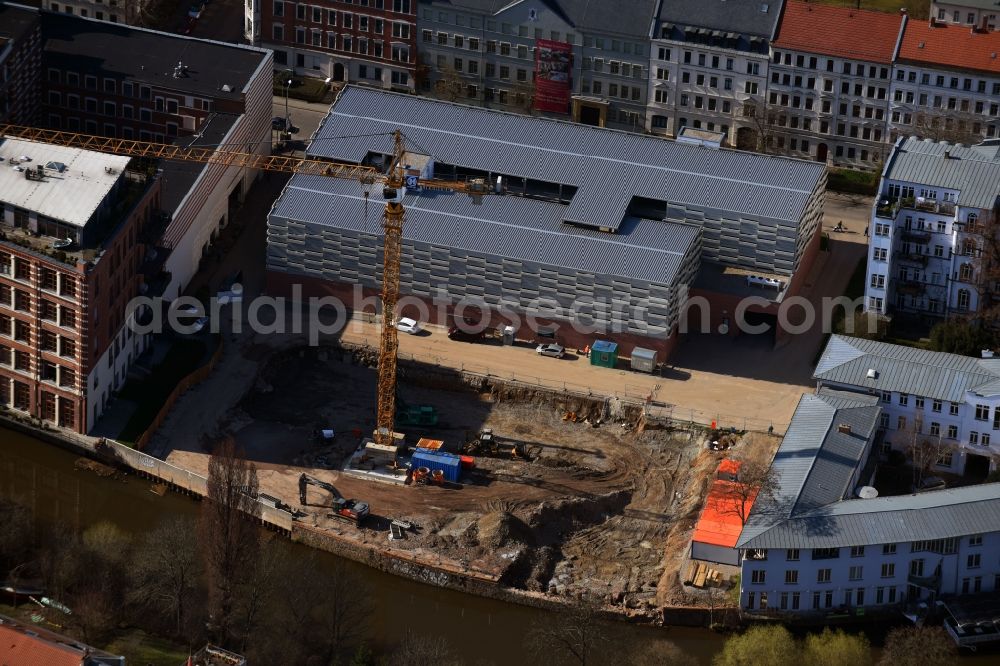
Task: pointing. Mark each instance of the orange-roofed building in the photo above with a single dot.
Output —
(829, 83)
(22, 645)
(947, 83)
(720, 523)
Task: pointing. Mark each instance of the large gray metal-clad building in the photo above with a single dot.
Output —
(585, 213)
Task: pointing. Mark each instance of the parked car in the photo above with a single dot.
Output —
(407, 325)
(929, 483)
(553, 350)
(279, 123)
(464, 335)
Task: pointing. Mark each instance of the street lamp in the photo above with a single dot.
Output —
(288, 122)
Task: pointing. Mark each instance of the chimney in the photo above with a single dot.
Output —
(902, 10)
(844, 428)
(947, 154)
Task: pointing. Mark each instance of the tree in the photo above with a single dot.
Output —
(762, 644)
(228, 533)
(658, 653)
(756, 481)
(165, 573)
(927, 646)
(925, 450)
(944, 127)
(416, 650)
(764, 123)
(449, 85)
(575, 635)
(16, 538)
(836, 648)
(960, 336)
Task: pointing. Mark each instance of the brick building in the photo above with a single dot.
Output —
(366, 41)
(72, 223)
(20, 66)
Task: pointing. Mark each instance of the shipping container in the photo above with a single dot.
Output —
(604, 353)
(448, 463)
(643, 360)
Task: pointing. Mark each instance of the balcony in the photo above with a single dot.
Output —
(912, 258)
(916, 236)
(910, 287)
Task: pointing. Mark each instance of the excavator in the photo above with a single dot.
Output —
(350, 510)
(393, 191)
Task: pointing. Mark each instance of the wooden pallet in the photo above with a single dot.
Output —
(700, 575)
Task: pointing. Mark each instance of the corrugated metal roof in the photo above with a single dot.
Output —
(599, 17)
(506, 226)
(901, 369)
(608, 167)
(743, 16)
(939, 514)
(816, 462)
(974, 172)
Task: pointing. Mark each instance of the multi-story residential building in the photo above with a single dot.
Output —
(20, 67)
(365, 41)
(828, 96)
(708, 66)
(72, 224)
(946, 83)
(499, 54)
(926, 228)
(826, 541)
(951, 401)
(560, 229)
(115, 11)
(982, 13)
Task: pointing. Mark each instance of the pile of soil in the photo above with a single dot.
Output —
(499, 529)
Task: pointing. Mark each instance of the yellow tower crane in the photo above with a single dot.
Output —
(393, 181)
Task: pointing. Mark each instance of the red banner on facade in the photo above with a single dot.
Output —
(553, 68)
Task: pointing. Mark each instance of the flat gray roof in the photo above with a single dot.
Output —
(973, 170)
(936, 375)
(609, 168)
(507, 226)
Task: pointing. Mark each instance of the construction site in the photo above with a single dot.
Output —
(554, 493)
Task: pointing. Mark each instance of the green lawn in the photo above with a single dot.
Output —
(917, 8)
(151, 393)
(306, 88)
(138, 647)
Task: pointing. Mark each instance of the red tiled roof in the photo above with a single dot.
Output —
(719, 523)
(842, 32)
(20, 649)
(951, 45)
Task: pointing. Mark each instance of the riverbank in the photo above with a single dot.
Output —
(422, 565)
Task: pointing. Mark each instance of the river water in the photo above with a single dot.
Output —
(42, 476)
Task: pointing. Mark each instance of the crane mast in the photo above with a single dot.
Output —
(393, 191)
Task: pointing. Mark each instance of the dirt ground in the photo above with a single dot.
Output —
(597, 510)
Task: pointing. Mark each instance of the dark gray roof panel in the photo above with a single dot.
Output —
(502, 226)
(617, 165)
(901, 369)
(624, 17)
(740, 16)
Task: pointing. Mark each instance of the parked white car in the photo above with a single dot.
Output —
(553, 350)
(407, 325)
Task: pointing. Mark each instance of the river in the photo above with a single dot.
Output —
(42, 476)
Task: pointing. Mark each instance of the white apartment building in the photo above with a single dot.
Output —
(946, 83)
(925, 227)
(491, 48)
(818, 547)
(967, 12)
(709, 66)
(953, 401)
(828, 98)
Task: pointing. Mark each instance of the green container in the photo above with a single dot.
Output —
(604, 353)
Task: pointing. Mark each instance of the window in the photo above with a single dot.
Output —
(953, 409)
(758, 576)
(982, 412)
(857, 551)
(855, 573)
(973, 561)
(936, 406)
(889, 569)
(904, 399)
(901, 423)
(792, 554)
(823, 576)
(976, 540)
(953, 432)
(791, 577)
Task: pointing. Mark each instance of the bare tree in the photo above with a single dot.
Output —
(755, 481)
(449, 85)
(945, 127)
(928, 646)
(228, 533)
(16, 539)
(165, 572)
(259, 588)
(523, 94)
(415, 650)
(576, 635)
(925, 449)
(763, 121)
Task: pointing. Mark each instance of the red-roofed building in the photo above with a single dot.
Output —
(22, 645)
(830, 79)
(719, 526)
(947, 83)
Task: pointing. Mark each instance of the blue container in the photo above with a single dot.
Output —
(604, 353)
(448, 463)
